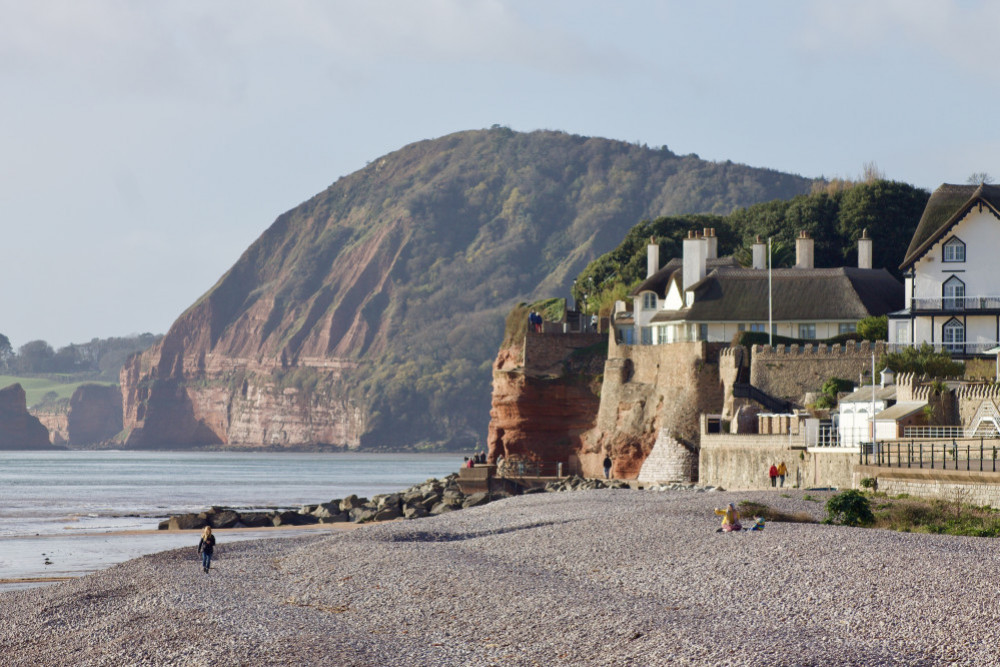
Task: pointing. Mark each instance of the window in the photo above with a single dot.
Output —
(807, 331)
(741, 327)
(648, 301)
(902, 332)
(647, 336)
(702, 332)
(953, 335)
(758, 327)
(846, 327)
(954, 250)
(953, 292)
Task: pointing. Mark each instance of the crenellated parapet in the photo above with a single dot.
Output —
(791, 371)
(848, 349)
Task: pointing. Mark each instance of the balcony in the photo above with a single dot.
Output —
(960, 350)
(952, 304)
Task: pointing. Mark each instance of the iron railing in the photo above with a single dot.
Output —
(960, 349)
(956, 303)
(981, 456)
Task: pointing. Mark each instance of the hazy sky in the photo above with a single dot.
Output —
(145, 145)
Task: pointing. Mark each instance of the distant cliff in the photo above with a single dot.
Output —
(368, 315)
(18, 428)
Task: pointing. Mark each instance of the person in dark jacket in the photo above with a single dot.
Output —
(607, 467)
(772, 472)
(205, 547)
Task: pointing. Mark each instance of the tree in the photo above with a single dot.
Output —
(922, 361)
(35, 357)
(6, 351)
(979, 178)
(874, 328)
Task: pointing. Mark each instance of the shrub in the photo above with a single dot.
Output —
(869, 483)
(850, 508)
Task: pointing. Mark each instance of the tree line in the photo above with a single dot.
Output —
(102, 357)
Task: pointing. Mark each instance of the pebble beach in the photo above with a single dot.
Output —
(604, 577)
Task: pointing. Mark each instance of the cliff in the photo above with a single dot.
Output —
(18, 428)
(368, 315)
(546, 393)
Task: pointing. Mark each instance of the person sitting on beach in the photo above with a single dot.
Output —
(205, 547)
(730, 519)
(758, 523)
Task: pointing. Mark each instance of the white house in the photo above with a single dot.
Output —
(704, 297)
(952, 274)
(855, 413)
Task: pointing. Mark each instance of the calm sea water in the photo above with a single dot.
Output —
(61, 506)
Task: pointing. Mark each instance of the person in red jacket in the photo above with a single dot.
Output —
(773, 474)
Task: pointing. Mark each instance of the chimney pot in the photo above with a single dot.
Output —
(803, 251)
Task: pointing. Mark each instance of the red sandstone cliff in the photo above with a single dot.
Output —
(18, 428)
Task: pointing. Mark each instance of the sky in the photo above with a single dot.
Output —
(145, 145)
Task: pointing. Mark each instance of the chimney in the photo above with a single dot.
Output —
(803, 251)
(888, 377)
(864, 251)
(759, 254)
(713, 243)
(695, 253)
(652, 257)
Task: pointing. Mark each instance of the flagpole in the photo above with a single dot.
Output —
(770, 322)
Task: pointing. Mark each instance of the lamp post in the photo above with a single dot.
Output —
(770, 310)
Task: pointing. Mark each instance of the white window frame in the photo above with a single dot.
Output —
(953, 250)
(847, 327)
(953, 294)
(649, 301)
(807, 329)
(953, 336)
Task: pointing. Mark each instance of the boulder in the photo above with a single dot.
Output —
(352, 502)
(256, 519)
(442, 508)
(326, 510)
(308, 509)
(476, 499)
(163, 525)
(453, 497)
(186, 522)
(335, 518)
(291, 518)
(388, 513)
(362, 514)
(223, 519)
(414, 512)
(392, 500)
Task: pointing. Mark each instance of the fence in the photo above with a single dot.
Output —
(930, 432)
(934, 455)
(515, 469)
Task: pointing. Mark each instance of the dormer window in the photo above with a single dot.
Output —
(954, 250)
(648, 301)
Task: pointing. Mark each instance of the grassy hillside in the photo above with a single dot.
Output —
(46, 389)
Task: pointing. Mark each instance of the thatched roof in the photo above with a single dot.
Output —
(740, 295)
(660, 281)
(944, 209)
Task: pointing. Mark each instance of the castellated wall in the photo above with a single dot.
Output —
(789, 371)
(652, 387)
(740, 462)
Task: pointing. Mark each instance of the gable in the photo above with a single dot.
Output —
(946, 208)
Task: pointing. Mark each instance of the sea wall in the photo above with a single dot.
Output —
(742, 462)
(970, 487)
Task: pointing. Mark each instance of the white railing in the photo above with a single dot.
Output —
(956, 303)
(933, 432)
(965, 349)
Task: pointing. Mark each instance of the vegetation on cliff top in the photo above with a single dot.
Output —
(835, 219)
(409, 266)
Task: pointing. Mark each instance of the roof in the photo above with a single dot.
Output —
(864, 394)
(946, 207)
(900, 410)
(659, 281)
(741, 295)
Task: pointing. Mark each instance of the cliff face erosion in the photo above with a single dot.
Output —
(370, 314)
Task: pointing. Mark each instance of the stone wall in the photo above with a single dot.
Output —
(972, 487)
(648, 388)
(742, 462)
(789, 371)
(548, 352)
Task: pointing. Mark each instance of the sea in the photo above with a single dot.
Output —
(67, 513)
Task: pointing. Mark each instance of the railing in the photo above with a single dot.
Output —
(961, 349)
(956, 303)
(981, 456)
(929, 432)
(778, 405)
(828, 436)
(515, 469)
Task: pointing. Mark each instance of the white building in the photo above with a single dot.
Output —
(952, 275)
(855, 413)
(702, 296)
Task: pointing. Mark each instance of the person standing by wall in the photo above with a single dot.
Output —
(773, 474)
(782, 471)
(607, 467)
(205, 547)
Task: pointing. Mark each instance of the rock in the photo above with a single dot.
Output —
(18, 428)
(308, 509)
(288, 518)
(95, 414)
(327, 510)
(476, 499)
(442, 508)
(361, 514)
(352, 502)
(453, 497)
(391, 500)
(414, 512)
(387, 513)
(163, 525)
(223, 519)
(335, 518)
(256, 519)
(186, 522)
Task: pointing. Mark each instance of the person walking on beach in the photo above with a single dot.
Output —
(607, 467)
(205, 547)
(782, 471)
(773, 474)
